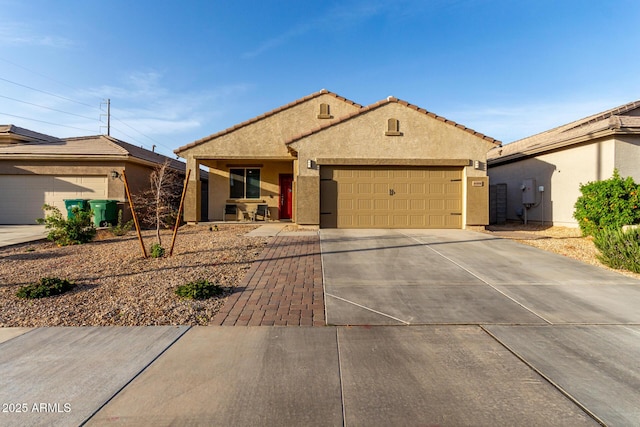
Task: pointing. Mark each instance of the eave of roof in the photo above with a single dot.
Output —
(17, 133)
(386, 101)
(263, 116)
(606, 123)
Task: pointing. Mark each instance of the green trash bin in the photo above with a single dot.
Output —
(105, 212)
(81, 204)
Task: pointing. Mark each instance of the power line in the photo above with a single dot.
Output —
(147, 136)
(65, 112)
(36, 73)
(47, 93)
(48, 108)
(42, 121)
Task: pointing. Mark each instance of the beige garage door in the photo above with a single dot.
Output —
(24, 195)
(389, 197)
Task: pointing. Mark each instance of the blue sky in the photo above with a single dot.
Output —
(176, 71)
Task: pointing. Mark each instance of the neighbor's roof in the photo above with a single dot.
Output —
(615, 120)
(17, 133)
(264, 116)
(386, 101)
(87, 147)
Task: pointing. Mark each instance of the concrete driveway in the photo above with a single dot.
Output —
(14, 234)
(576, 325)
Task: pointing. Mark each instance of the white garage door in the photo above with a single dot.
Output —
(22, 196)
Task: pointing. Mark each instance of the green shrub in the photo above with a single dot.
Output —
(200, 289)
(46, 286)
(72, 231)
(120, 229)
(611, 203)
(619, 249)
(157, 251)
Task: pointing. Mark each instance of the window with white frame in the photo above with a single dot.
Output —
(244, 183)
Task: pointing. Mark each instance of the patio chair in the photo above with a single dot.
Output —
(230, 210)
(263, 211)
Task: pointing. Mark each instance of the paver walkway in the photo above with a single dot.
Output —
(282, 288)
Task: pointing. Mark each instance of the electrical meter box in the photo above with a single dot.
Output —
(529, 192)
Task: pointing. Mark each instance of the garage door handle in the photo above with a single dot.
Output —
(391, 192)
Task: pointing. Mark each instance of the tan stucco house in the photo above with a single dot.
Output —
(326, 161)
(36, 169)
(549, 167)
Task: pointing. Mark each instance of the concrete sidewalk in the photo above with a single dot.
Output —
(16, 234)
(160, 376)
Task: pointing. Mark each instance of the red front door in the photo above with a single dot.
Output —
(286, 196)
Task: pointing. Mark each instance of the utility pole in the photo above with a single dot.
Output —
(108, 102)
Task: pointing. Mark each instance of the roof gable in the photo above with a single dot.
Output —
(265, 116)
(384, 102)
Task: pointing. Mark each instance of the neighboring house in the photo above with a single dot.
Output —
(36, 169)
(554, 163)
(326, 161)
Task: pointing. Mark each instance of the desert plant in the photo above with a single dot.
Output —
(121, 228)
(611, 203)
(75, 230)
(157, 251)
(619, 249)
(46, 286)
(158, 206)
(200, 289)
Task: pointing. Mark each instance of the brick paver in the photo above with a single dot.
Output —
(283, 287)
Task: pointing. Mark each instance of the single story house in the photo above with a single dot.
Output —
(543, 172)
(36, 169)
(325, 161)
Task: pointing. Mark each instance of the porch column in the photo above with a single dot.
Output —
(192, 200)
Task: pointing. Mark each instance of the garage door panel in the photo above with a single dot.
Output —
(365, 204)
(417, 188)
(453, 205)
(380, 221)
(29, 193)
(365, 188)
(418, 204)
(381, 188)
(422, 197)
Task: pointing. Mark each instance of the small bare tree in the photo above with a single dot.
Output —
(158, 206)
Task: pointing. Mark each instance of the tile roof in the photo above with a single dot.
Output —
(263, 116)
(36, 144)
(24, 134)
(615, 120)
(388, 100)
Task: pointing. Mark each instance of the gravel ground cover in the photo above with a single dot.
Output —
(117, 286)
(561, 240)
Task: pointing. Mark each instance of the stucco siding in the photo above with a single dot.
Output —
(423, 137)
(265, 137)
(364, 136)
(627, 156)
(269, 186)
(560, 173)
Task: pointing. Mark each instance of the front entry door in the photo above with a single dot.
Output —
(286, 196)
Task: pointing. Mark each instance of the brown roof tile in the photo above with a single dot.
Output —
(24, 134)
(263, 116)
(611, 120)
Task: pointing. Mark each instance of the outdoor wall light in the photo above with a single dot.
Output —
(114, 174)
(310, 164)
